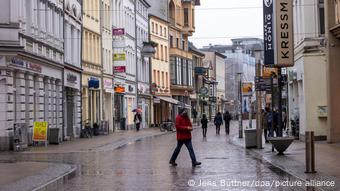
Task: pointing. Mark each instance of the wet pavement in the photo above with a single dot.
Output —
(144, 165)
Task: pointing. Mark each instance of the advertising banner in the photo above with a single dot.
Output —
(119, 57)
(247, 88)
(278, 33)
(118, 32)
(119, 69)
(40, 131)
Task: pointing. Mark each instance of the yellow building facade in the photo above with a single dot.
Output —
(159, 33)
(91, 63)
(181, 26)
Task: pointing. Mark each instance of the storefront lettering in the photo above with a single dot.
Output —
(27, 65)
(71, 78)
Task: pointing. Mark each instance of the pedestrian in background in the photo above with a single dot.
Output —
(264, 124)
(137, 119)
(227, 119)
(204, 122)
(275, 122)
(183, 131)
(269, 117)
(218, 121)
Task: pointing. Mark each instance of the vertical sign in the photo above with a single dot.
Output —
(284, 33)
(268, 29)
(40, 131)
(278, 33)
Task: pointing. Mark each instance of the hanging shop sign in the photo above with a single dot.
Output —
(118, 32)
(204, 91)
(119, 57)
(278, 33)
(107, 84)
(119, 69)
(40, 131)
(263, 83)
(269, 72)
(119, 89)
(93, 83)
(247, 88)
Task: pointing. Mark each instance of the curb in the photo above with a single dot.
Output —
(259, 156)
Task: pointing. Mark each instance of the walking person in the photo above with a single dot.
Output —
(227, 119)
(218, 121)
(137, 119)
(269, 117)
(275, 122)
(204, 122)
(183, 131)
(264, 124)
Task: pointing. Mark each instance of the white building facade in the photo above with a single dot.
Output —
(106, 32)
(124, 51)
(31, 65)
(72, 69)
(143, 63)
(307, 79)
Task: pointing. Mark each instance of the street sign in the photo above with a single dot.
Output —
(278, 33)
(263, 84)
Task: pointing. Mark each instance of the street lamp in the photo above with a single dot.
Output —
(148, 50)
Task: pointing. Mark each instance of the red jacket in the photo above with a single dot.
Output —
(182, 124)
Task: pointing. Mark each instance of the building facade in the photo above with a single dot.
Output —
(332, 33)
(159, 33)
(72, 69)
(92, 84)
(106, 51)
(307, 91)
(181, 26)
(31, 65)
(143, 63)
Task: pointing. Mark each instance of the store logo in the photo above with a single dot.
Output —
(268, 3)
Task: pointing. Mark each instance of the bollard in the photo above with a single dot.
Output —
(310, 152)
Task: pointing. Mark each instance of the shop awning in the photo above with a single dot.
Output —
(168, 99)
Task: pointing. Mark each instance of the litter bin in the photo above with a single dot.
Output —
(250, 138)
(53, 136)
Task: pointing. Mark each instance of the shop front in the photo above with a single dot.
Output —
(131, 104)
(108, 102)
(119, 112)
(92, 94)
(72, 104)
(30, 91)
(163, 109)
(144, 103)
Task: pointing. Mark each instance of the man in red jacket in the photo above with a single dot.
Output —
(183, 129)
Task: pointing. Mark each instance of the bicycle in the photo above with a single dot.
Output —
(167, 126)
(86, 131)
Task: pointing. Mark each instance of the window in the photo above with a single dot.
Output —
(322, 17)
(337, 12)
(165, 32)
(153, 27)
(156, 28)
(160, 31)
(186, 17)
(166, 53)
(163, 85)
(177, 43)
(183, 45)
(173, 70)
(162, 58)
(171, 41)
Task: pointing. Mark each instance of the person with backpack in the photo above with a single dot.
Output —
(218, 121)
(204, 122)
(227, 119)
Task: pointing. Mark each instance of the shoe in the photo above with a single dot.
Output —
(173, 163)
(196, 163)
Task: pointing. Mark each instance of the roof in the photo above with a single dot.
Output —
(195, 50)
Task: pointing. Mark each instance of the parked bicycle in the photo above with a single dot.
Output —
(86, 131)
(167, 126)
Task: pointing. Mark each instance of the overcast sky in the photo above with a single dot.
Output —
(217, 21)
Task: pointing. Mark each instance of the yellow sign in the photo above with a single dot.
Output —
(269, 72)
(247, 88)
(119, 57)
(40, 131)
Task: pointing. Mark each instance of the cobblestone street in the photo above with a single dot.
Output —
(143, 165)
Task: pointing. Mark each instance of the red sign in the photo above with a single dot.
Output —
(119, 89)
(118, 32)
(119, 69)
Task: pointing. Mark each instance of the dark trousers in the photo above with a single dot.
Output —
(188, 144)
(137, 126)
(227, 125)
(204, 131)
(265, 134)
(218, 129)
